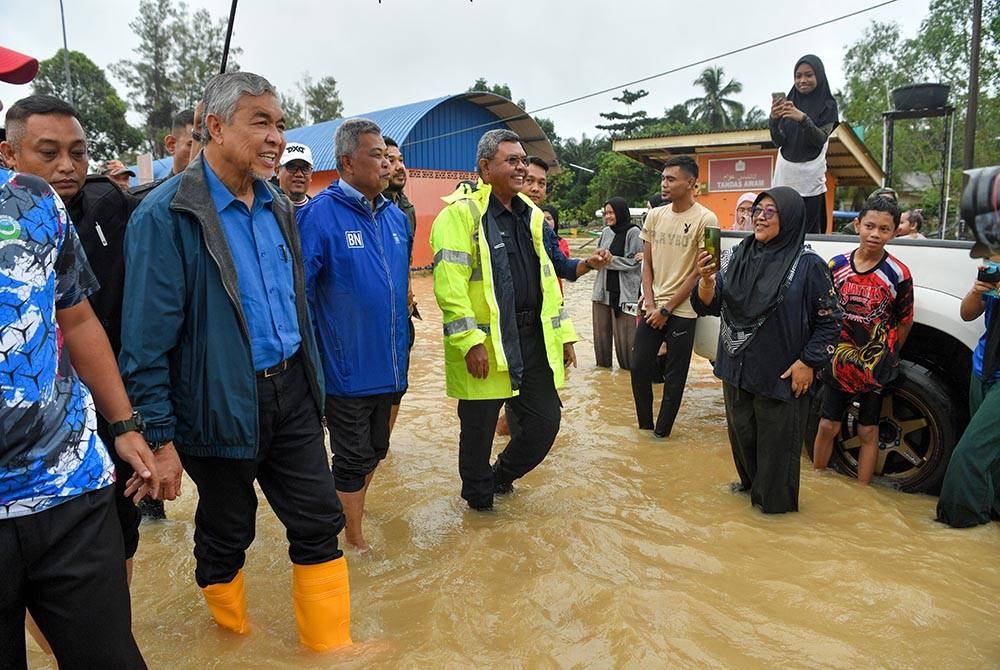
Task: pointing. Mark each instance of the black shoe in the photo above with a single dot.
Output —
(738, 487)
(660, 436)
(152, 509)
(501, 487)
(485, 506)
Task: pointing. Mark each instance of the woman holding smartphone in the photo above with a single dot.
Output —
(616, 287)
(801, 123)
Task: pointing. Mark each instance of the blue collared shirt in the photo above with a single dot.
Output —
(264, 270)
(358, 195)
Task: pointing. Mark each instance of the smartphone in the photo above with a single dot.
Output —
(777, 96)
(713, 245)
(990, 273)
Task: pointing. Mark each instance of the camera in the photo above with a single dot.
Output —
(980, 206)
(989, 274)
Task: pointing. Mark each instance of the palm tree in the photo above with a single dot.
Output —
(716, 108)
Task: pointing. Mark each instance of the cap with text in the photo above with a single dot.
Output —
(296, 152)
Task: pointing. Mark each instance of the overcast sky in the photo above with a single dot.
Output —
(547, 51)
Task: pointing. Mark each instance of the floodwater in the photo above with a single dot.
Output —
(619, 551)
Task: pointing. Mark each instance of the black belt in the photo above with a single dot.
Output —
(527, 317)
(276, 370)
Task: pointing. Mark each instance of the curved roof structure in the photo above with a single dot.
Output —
(437, 134)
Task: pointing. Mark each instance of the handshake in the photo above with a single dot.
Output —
(598, 260)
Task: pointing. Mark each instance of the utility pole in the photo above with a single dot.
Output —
(969, 153)
(69, 81)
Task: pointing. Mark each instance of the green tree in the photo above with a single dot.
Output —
(322, 101)
(503, 90)
(629, 123)
(198, 44)
(294, 111)
(619, 175)
(102, 112)
(715, 108)
(578, 163)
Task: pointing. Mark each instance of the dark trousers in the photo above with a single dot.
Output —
(971, 486)
(613, 325)
(65, 565)
(128, 513)
(678, 333)
(293, 472)
(766, 438)
(815, 213)
(359, 437)
(533, 415)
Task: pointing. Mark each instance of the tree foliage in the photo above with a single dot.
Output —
(629, 123)
(716, 108)
(883, 59)
(102, 112)
(322, 100)
(178, 53)
(295, 116)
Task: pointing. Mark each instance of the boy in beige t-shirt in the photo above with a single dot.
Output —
(672, 237)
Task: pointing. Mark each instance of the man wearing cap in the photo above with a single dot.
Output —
(119, 175)
(38, 127)
(62, 555)
(356, 246)
(295, 173)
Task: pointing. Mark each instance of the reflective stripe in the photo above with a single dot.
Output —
(452, 256)
(547, 270)
(563, 314)
(477, 273)
(556, 322)
(459, 325)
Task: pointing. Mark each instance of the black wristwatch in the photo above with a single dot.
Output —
(156, 446)
(664, 312)
(133, 423)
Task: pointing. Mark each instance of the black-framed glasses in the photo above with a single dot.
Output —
(767, 212)
(514, 161)
(294, 167)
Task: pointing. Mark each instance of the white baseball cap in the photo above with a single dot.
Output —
(296, 152)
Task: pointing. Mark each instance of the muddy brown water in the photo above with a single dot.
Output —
(619, 551)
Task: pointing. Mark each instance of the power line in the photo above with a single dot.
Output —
(726, 54)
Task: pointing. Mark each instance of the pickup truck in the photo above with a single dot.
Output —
(924, 415)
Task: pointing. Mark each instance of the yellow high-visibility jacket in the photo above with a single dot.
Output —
(470, 299)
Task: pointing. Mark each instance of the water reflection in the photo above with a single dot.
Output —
(618, 551)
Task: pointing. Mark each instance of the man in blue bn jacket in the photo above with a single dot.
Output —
(356, 246)
(219, 356)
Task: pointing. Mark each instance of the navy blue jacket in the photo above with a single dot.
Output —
(186, 358)
(565, 267)
(357, 272)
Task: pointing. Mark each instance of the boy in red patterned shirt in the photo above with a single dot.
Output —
(876, 293)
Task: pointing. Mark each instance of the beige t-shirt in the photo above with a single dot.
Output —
(675, 239)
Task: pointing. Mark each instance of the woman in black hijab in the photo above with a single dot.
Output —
(801, 123)
(780, 322)
(616, 287)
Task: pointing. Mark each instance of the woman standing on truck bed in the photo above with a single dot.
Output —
(800, 124)
(780, 322)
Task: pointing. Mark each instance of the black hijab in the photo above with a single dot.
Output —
(623, 221)
(819, 105)
(757, 276)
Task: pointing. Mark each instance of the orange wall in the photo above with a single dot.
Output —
(723, 203)
(424, 188)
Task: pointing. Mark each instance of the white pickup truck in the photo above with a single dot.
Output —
(928, 410)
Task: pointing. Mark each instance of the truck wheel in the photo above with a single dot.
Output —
(919, 427)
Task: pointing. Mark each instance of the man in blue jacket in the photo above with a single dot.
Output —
(218, 354)
(356, 246)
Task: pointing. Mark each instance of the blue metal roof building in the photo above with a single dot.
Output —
(437, 134)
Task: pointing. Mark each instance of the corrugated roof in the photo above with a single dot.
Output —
(438, 134)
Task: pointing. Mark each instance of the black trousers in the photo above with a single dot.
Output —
(293, 472)
(815, 213)
(766, 438)
(65, 565)
(359, 437)
(678, 333)
(533, 415)
(128, 513)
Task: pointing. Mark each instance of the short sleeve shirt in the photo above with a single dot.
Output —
(49, 449)
(875, 303)
(675, 239)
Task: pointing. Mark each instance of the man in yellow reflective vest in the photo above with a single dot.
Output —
(507, 337)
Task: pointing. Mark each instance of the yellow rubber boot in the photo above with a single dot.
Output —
(228, 604)
(322, 598)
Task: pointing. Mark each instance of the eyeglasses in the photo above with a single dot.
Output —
(767, 212)
(300, 167)
(514, 161)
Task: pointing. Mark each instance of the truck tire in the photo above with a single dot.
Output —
(918, 430)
